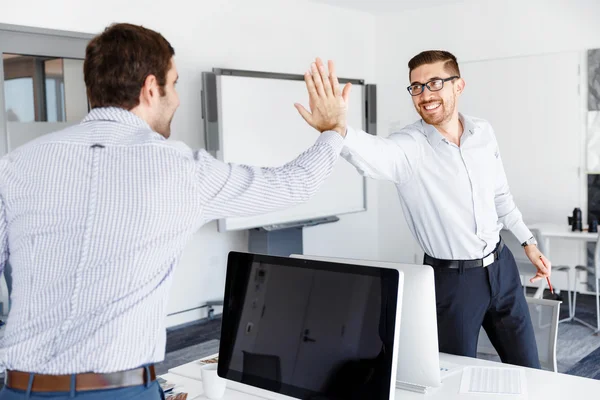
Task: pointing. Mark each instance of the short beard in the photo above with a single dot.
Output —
(447, 108)
(164, 128)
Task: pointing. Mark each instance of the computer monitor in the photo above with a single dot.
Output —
(310, 329)
(418, 351)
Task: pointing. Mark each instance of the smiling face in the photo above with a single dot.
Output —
(437, 104)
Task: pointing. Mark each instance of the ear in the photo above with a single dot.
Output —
(149, 90)
(460, 85)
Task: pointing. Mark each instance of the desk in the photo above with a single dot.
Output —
(195, 391)
(541, 385)
(192, 387)
(235, 390)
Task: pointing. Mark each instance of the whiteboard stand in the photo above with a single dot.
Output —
(283, 239)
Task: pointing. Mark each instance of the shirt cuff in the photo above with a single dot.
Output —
(521, 232)
(333, 139)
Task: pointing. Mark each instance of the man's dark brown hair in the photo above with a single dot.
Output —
(432, 57)
(118, 61)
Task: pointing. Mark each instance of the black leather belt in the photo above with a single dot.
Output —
(457, 264)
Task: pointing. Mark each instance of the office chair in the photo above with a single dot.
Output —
(544, 317)
(526, 269)
(595, 270)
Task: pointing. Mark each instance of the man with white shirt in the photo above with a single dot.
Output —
(453, 190)
(94, 218)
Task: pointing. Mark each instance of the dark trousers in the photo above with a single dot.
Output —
(491, 297)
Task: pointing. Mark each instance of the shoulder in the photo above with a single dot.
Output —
(414, 132)
(480, 123)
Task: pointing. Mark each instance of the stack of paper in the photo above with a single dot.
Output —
(493, 380)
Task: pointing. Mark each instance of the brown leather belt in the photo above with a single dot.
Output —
(83, 382)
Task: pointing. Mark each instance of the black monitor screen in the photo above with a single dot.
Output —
(309, 329)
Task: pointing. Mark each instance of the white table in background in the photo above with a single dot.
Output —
(541, 385)
(549, 231)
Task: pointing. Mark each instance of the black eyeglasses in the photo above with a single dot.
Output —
(433, 85)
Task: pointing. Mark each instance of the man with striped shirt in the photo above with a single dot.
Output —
(94, 218)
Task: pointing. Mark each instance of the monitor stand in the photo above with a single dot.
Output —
(282, 239)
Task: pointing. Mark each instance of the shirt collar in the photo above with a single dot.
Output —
(468, 125)
(116, 114)
(435, 137)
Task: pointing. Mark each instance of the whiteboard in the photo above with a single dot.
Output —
(535, 108)
(259, 126)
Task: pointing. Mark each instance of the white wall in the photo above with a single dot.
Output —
(267, 35)
(284, 36)
(473, 30)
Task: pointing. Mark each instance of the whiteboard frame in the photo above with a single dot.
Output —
(211, 115)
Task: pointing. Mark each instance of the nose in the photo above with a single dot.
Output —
(425, 97)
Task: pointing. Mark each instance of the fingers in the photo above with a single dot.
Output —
(346, 92)
(325, 77)
(327, 111)
(304, 113)
(543, 272)
(316, 76)
(327, 88)
(536, 278)
(539, 275)
(546, 263)
(335, 84)
(310, 84)
(543, 266)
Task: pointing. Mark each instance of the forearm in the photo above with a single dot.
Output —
(381, 158)
(512, 219)
(247, 190)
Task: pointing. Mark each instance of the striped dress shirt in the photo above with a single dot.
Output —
(93, 220)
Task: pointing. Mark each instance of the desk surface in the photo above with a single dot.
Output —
(563, 231)
(542, 385)
(192, 387)
(195, 389)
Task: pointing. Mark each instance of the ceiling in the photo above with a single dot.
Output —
(386, 6)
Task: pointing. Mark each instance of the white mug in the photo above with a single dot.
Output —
(214, 385)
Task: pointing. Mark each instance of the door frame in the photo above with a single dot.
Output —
(17, 39)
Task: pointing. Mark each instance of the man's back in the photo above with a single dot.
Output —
(94, 219)
(98, 215)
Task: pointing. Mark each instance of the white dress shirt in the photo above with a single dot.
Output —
(455, 199)
(93, 220)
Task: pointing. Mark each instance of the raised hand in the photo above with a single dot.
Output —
(328, 104)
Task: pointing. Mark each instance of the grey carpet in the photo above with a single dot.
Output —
(588, 367)
(573, 344)
(577, 353)
(186, 355)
